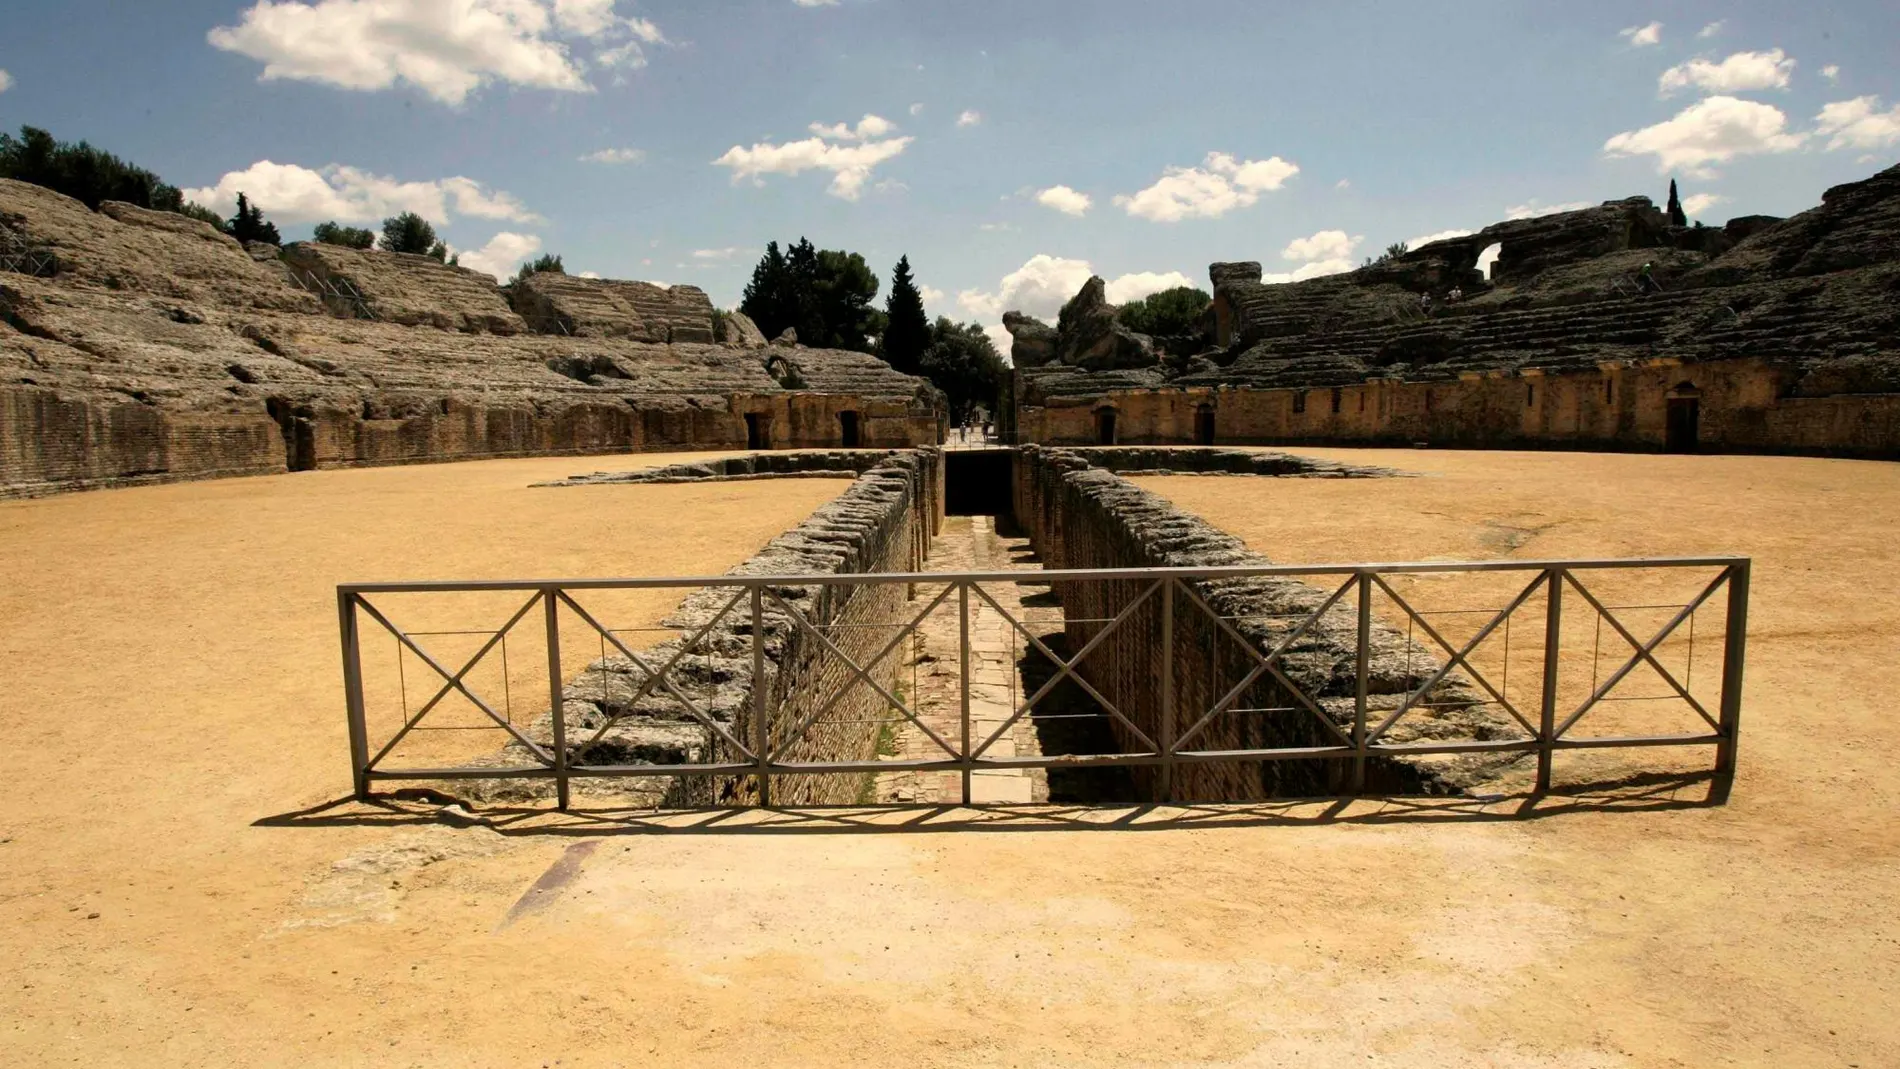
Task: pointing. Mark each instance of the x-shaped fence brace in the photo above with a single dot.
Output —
(769, 755)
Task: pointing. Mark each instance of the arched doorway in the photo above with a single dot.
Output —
(1104, 426)
(1682, 429)
(848, 429)
(1204, 424)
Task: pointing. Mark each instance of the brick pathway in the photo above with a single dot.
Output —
(970, 543)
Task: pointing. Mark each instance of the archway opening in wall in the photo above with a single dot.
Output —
(1104, 426)
(300, 446)
(1488, 258)
(757, 431)
(1683, 425)
(848, 429)
(1204, 425)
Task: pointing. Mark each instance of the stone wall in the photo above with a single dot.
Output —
(1744, 405)
(884, 522)
(1080, 516)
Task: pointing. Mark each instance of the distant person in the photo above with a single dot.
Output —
(1425, 303)
(1646, 280)
(1457, 294)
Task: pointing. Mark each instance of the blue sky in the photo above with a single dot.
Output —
(1305, 137)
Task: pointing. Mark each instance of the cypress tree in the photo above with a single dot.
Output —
(906, 328)
(1676, 215)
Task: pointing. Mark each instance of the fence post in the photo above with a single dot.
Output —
(556, 701)
(963, 655)
(761, 735)
(1553, 649)
(1362, 684)
(1734, 649)
(353, 694)
(1167, 690)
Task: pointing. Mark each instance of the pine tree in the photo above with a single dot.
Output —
(1676, 215)
(764, 298)
(906, 327)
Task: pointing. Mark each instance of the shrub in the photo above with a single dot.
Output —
(546, 263)
(1174, 311)
(350, 237)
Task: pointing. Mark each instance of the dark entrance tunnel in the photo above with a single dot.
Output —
(977, 482)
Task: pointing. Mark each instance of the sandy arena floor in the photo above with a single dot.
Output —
(171, 680)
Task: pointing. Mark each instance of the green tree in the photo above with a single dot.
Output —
(964, 364)
(1676, 215)
(249, 225)
(412, 233)
(843, 291)
(770, 298)
(82, 172)
(823, 295)
(194, 210)
(545, 263)
(906, 331)
(350, 237)
(1174, 311)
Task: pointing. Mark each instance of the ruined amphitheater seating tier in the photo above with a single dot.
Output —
(144, 346)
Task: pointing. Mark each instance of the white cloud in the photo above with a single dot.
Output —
(1324, 245)
(816, 3)
(1532, 209)
(726, 253)
(1044, 283)
(1642, 36)
(1442, 235)
(6, 81)
(1311, 270)
(1710, 131)
(1695, 204)
(446, 48)
(1738, 73)
(1343, 183)
(1711, 29)
(1219, 186)
(1065, 200)
(916, 109)
(588, 274)
(503, 254)
(1832, 72)
(615, 155)
(292, 194)
(969, 117)
(1488, 257)
(1858, 123)
(850, 165)
(869, 127)
(995, 227)
(930, 295)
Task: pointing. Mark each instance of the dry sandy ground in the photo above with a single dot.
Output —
(1650, 934)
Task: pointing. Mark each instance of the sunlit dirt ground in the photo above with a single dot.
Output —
(176, 888)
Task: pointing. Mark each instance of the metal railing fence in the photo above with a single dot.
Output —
(1360, 608)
